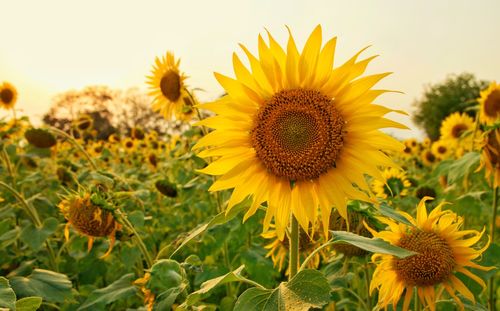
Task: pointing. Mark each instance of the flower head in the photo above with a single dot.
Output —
(8, 95)
(490, 104)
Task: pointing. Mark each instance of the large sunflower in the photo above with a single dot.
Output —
(167, 86)
(490, 104)
(443, 249)
(454, 126)
(8, 95)
(296, 132)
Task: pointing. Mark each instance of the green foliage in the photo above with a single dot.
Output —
(50, 285)
(456, 93)
(119, 289)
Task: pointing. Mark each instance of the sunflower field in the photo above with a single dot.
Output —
(283, 194)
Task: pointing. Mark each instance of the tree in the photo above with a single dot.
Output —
(456, 93)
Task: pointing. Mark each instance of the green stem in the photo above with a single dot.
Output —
(306, 261)
(476, 126)
(9, 166)
(294, 247)
(76, 144)
(492, 234)
(140, 242)
(367, 281)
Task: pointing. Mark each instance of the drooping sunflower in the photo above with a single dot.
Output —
(167, 87)
(441, 149)
(454, 126)
(395, 183)
(89, 219)
(443, 249)
(490, 104)
(297, 132)
(490, 156)
(8, 95)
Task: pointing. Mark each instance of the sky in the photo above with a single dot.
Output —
(48, 47)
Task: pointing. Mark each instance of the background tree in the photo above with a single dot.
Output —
(456, 93)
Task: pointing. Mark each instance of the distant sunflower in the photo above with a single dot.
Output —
(442, 149)
(428, 157)
(89, 219)
(426, 143)
(412, 143)
(296, 132)
(490, 104)
(355, 221)
(129, 144)
(395, 183)
(8, 95)
(443, 249)
(167, 86)
(454, 126)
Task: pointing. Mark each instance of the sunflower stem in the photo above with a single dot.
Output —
(140, 242)
(74, 143)
(294, 247)
(492, 234)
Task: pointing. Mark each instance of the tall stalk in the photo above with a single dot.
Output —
(492, 234)
(294, 247)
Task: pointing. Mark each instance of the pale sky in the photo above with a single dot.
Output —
(48, 47)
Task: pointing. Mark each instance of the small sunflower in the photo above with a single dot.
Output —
(428, 157)
(490, 104)
(443, 249)
(83, 122)
(441, 149)
(167, 86)
(89, 219)
(412, 144)
(490, 156)
(129, 145)
(395, 183)
(426, 143)
(292, 127)
(8, 96)
(454, 126)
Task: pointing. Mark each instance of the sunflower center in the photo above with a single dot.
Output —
(433, 264)
(298, 134)
(170, 85)
(430, 157)
(90, 219)
(441, 149)
(492, 104)
(6, 95)
(458, 130)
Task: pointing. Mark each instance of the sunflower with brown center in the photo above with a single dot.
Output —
(490, 104)
(395, 183)
(89, 219)
(167, 87)
(428, 157)
(443, 250)
(8, 96)
(297, 132)
(490, 156)
(441, 149)
(455, 126)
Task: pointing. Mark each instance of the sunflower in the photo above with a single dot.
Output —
(89, 219)
(428, 157)
(490, 104)
(441, 149)
(297, 133)
(395, 183)
(426, 143)
(490, 156)
(167, 86)
(443, 249)
(8, 95)
(454, 126)
(40, 138)
(129, 144)
(354, 225)
(412, 144)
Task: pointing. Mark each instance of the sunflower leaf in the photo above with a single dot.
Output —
(374, 245)
(387, 211)
(50, 285)
(119, 289)
(7, 295)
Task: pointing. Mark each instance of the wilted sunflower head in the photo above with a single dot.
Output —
(8, 95)
(137, 133)
(442, 249)
(167, 87)
(90, 217)
(165, 187)
(395, 184)
(292, 125)
(490, 104)
(455, 126)
(83, 122)
(40, 138)
(490, 156)
(425, 191)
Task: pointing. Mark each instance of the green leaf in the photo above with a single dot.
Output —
(167, 281)
(374, 245)
(388, 211)
(206, 287)
(35, 237)
(50, 285)
(28, 304)
(119, 289)
(7, 295)
(308, 289)
(463, 166)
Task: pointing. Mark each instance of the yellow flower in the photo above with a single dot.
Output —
(443, 249)
(441, 149)
(490, 104)
(428, 157)
(129, 144)
(454, 126)
(426, 143)
(167, 86)
(8, 95)
(296, 132)
(395, 183)
(490, 156)
(354, 225)
(89, 219)
(412, 144)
